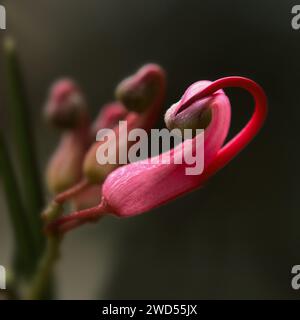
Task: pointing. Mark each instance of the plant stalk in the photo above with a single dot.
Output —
(24, 141)
(24, 253)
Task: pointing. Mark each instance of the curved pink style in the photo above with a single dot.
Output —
(139, 187)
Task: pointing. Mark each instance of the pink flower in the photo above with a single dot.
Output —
(141, 96)
(141, 186)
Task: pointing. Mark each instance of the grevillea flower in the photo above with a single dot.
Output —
(141, 186)
(142, 94)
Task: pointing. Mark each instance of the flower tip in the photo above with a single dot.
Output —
(195, 117)
(193, 113)
(138, 91)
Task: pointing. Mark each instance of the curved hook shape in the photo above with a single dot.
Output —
(240, 141)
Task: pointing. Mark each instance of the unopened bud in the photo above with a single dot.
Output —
(197, 116)
(93, 171)
(139, 91)
(191, 113)
(65, 166)
(109, 117)
(65, 107)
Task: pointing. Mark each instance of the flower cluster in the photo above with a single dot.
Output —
(73, 172)
(94, 189)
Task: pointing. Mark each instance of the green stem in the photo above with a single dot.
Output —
(40, 282)
(22, 233)
(23, 138)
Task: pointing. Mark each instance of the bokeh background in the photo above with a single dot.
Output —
(237, 237)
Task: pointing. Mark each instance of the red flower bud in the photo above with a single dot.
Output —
(66, 107)
(139, 91)
(65, 166)
(67, 110)
(109, 117)
(85, 195)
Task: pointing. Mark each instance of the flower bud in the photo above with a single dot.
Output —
(65, 107)
(93, 171)
(65, 166)
(197, 116)
(139, 91)
(147, 88)
(109, 117)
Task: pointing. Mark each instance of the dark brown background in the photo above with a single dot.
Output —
(239, 236)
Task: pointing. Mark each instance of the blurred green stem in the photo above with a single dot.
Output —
(40, 282)
(20, 117)
(42, 278)
(22, 235)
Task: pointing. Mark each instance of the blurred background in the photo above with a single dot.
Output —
(239, 236)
